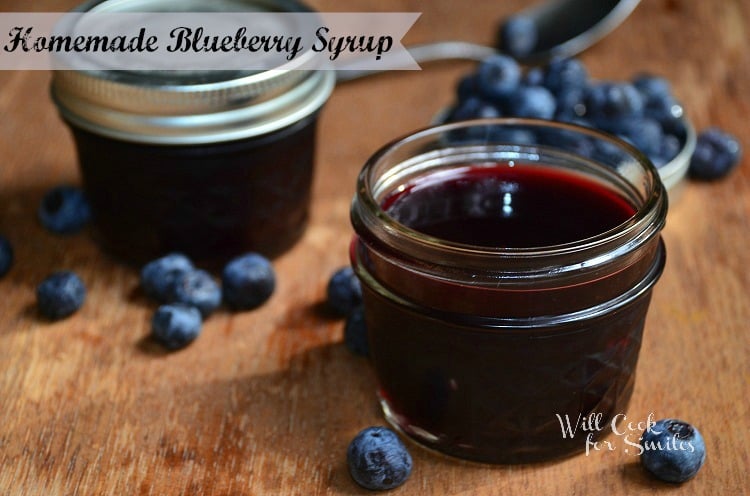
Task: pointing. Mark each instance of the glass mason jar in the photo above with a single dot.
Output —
(485, 349)
(209, 163)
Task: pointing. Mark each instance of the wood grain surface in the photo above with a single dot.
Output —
(265, 402)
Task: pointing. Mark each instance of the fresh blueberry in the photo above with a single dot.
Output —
(355, 332)
(378, 460)
(158, 276)
(534, 76)
(473, 108)
(176, 325)
(676, 126)
(60, 295)
(565, 73)
(532, 101)
(196, 288)
(643, 133)
(716, 154)
(64, 210)
(6, 255)
(664, 109)
(571, 141)
(248, 281)
(518, 36)
(570, 104)
(497, 78)
(651, 86)
(607, 100)
(670, 147)
(468, 86)
(672, 450)
(344, 292)
(609, 154)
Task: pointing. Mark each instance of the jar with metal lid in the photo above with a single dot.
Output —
(209, 163)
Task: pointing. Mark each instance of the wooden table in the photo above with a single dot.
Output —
(265, 402)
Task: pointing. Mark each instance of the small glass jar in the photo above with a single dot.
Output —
(483, 351)
(209, 163)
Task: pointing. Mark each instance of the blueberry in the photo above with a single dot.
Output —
(468, 86)
(670, 147)
(6, 255)
(643, 133)
(716, 154)
(533, 77)
(518, 36)
(532, 101)
(607, 100)
(378, 460)
(497, 78)
(675, 126)
(248, 281)
(561, 74)
(664, 109)
(196, 288)
(571, 141)
(60, 295)
(570, 104)
(344, 292)
(64, 210)
(176, 325)
(651, 86)
(473, 108)
(672, 450)
(158, 276)
(355, 333)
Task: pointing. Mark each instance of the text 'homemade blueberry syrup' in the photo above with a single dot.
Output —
(504, 206)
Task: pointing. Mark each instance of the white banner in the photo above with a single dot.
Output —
(205, 41)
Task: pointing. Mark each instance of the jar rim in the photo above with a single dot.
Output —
(653, 207)
(180, 107)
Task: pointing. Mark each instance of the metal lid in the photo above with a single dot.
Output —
(189, 107)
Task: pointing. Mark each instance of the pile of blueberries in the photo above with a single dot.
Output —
(344, 299)
(188, 294)
(643, 111)
(377, 458)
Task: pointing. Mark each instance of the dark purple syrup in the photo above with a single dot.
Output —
(507, 206)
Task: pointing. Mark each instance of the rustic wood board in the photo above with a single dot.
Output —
(265, 402)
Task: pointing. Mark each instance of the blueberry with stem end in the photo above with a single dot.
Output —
(64, 210)
(378, 460)
(672, 450)
(497, 78)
